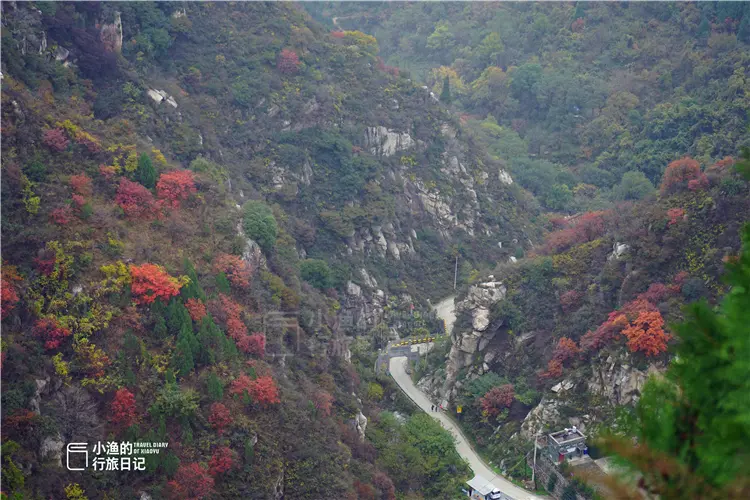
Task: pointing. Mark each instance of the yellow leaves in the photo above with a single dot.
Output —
(30, 200)
(73, 491)
(117, 276)
(159, 157)
(437, 77)
(61, 367)
(131, 162)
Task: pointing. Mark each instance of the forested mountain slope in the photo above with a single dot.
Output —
(573, 96)
(201, 205)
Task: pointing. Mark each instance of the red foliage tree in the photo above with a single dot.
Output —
(288, 61)
(496, 399)
(365, 491)
(385, 485)
(233, 312)
(565, 350)
(262, 390)
(698, 184)
(50, 332)
(578, 25)
(323, 403)
(196, 308)
(338, 34)
(175, 187)
(606, 333)
(81, 184)
(221, 461)
(253, 344)
(656, 293)
(108, 172)
(191, 482)
(78, 200)
(587, 227)
(123, 410)
(646, 334)
(135, 200)
(61, 215)
(570, 300)
(8, 291)
(238, 271)
(675, 215)
(150, 281)
(55, 139)
(678, 174)
(220, 418)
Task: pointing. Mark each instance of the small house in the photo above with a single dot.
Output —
(566, 445)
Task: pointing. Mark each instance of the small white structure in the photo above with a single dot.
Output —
(482, 489)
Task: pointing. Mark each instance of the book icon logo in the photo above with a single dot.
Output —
(74, 451)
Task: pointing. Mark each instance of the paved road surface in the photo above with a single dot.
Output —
(446, 310)
(398, 371)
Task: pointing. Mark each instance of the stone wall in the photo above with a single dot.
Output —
(544, 470)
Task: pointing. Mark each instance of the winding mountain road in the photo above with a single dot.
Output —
(446, 310)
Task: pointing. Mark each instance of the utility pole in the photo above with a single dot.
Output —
(455, 272)
(533, 469)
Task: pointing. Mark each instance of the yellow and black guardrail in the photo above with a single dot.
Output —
(423, 340)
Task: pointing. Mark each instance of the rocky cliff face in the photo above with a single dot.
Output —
(611, 380)
(468, 342)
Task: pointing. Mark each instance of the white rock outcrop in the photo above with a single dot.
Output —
(159, 95)
(385, 142)
(618, 250)
(505, 177)
(359, 422)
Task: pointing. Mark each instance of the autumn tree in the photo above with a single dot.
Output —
(497, 399)
(8, 290)
(675, 215)
(385, 485)
(136, 201)
(233, 311)
(175, 187)
(237, 270)
(646, 334)
(220, 418)
(565, 350)
(146, 173)
(262, 390)
(55, 139)
(50, 332)
(196, 308)
(123, 411)
(151, 281)
(222, 460)
(61, 215)
(191, 482)
(253, 344)
(678, 174)
(81, 184)
(288, 62)
(323, 403)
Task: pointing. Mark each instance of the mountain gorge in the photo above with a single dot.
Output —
(216, 215)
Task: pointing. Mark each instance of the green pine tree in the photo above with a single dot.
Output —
(445, 95)
(704, 28)
(214, 387)
(249, 452)
(222, 283)
(160, 327)
(183, 359)
(193, 289)
(145, 173)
